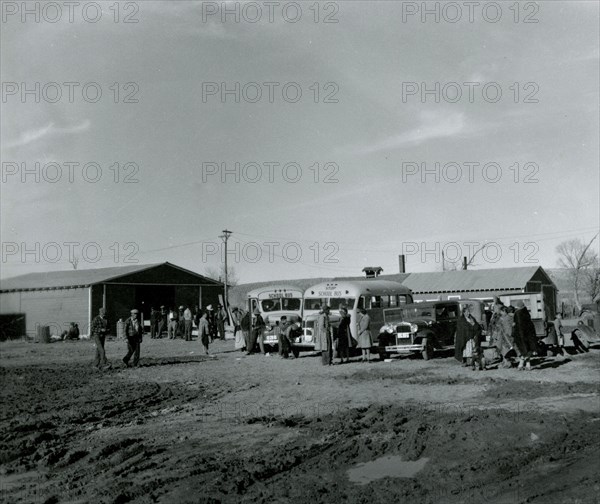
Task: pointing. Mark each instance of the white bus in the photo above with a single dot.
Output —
(372, 294)
(273, 302)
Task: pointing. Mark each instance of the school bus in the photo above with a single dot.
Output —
(374, 295)
(273, 302)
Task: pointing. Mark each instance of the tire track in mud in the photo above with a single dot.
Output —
(43, 425)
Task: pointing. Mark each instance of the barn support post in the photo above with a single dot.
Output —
(200, 296)
(89, 333)
(104, 296)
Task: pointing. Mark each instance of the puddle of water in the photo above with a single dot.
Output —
(389, 466)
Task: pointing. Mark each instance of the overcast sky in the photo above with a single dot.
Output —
(352, 114)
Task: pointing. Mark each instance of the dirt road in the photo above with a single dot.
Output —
(185, 428)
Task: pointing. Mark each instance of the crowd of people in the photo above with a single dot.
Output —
(512, 336)
(177, 323)
(511, 331)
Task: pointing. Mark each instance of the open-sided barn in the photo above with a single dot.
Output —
(57, 298)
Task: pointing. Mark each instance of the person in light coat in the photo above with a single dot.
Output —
(204, 331)
(365, 340)
(324, 340)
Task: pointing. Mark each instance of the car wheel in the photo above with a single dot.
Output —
(427, 352)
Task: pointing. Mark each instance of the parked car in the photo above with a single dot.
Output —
(419, 328)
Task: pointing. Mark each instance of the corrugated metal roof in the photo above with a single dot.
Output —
(470, 280)
(73, 278)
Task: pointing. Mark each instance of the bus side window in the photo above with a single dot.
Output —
(393, 301)
(364, 302)
(375, 301)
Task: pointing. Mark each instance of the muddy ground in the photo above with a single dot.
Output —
(185, 428)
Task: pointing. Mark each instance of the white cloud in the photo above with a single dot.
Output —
(33, 135)
(432, 125)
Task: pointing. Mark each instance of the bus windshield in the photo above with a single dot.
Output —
(337, 303)
(313, 303)
(290, 304)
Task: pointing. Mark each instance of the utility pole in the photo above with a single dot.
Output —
(225, 237)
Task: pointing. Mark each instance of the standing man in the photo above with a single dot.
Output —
(181, 322)
(172, 327)
(98, 331)
(162, 321)
(153, 322)
(133, 333)
(187, 323)
(324, 336)
(257, 333)
(560, 337)
(245, 326)
(221, 319)
(212, 325)
(204, 331)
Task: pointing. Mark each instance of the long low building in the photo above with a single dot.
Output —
(57, 298)
(481, 284)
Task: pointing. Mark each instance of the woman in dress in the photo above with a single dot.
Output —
(365, 340)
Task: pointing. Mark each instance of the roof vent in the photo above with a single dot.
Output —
(372, 271)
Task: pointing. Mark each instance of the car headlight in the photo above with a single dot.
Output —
(414, 327)
(389, 329)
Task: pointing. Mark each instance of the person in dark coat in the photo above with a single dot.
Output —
(99, 329)
(257, 333)
(153, 322)
(161, 321)
(212, 322)
(524, 336)
(468, 340)
(133, 333)
(344, 337)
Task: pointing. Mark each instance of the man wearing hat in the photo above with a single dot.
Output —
(162, 321)
(173, 324)
(133, 333)
(98, 329)
(221, 317)
(258, 328)
(187, 323)
(210, 316)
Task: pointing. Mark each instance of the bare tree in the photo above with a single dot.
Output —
(219, 274)
(472, 258)
(582, 263)
(74, 262)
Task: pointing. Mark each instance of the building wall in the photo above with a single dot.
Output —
(54, 308)
(453, 296)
